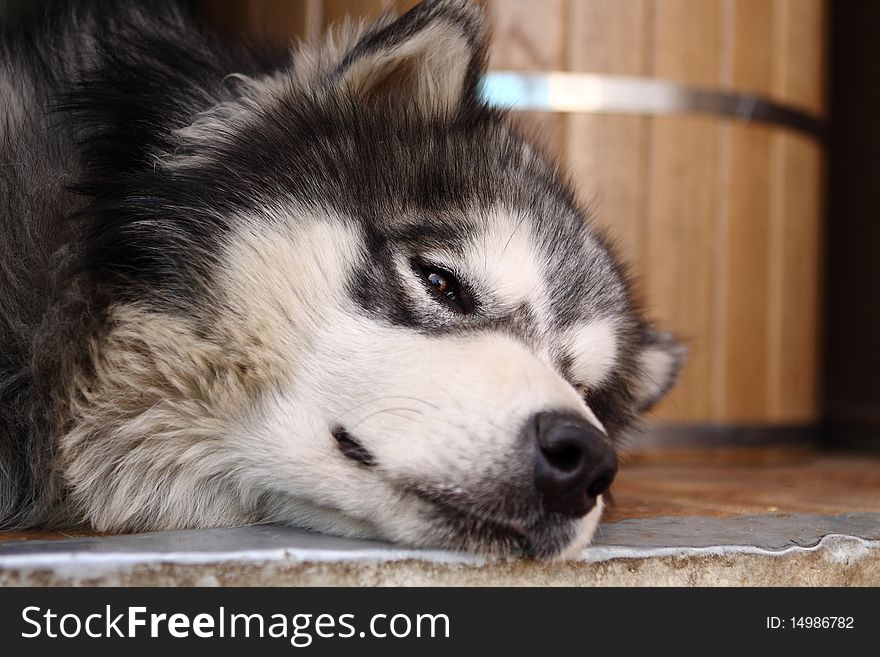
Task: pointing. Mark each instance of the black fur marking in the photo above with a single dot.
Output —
(351, 448)
(146, 226)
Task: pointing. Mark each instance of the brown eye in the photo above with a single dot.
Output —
(438, 282)
(445, 287)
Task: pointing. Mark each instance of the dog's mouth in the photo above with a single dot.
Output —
(476, 527)
(466, 521)
(351, 448)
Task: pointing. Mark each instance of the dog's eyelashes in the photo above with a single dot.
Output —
(445, 287)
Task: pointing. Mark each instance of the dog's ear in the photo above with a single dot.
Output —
(431, 57)
(659, 362)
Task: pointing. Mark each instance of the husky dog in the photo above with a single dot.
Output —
(335, 290)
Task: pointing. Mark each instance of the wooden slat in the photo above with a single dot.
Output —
(795, 279)
(402, 6)
(530, 36)
(610, 36)
(282, 19)
(608, 158)
(277, 22)
(739, 372)
(608, 155)
(527, 36)
(798, 58)
(337, 10)
(796, 217)
(686, 39)
(742, 346)
(683, 201)
(751, 46)
(680, 243)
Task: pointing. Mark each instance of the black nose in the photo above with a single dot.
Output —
(574, 462)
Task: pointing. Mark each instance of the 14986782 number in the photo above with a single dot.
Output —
(810, 623)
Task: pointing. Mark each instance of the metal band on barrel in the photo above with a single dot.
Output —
(616, 94)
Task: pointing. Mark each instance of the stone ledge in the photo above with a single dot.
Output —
(778, 550)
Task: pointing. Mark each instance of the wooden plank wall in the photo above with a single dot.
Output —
(721, 222)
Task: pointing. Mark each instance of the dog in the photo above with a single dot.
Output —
(332, 289)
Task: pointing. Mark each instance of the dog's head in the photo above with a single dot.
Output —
(362, 303)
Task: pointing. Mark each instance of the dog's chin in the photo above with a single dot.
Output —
(585, 528)
(551, 537)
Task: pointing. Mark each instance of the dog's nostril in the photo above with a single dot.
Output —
(574, 462)
(351, 448)
(566, 456)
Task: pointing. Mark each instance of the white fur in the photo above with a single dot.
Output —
(585, 530)
(502, 260)
(593, 347)
(429, 67)
(658, 364)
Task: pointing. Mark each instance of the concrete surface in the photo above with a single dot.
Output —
(780, 549)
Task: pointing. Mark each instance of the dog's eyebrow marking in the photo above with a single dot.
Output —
(503, 261)
(592, 349)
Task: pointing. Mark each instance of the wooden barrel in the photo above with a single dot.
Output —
(720, 219)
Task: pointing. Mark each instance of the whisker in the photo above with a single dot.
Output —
(380, 412)
(390, 397)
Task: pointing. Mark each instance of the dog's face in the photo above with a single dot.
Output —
(405, 329)
(438, 386)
